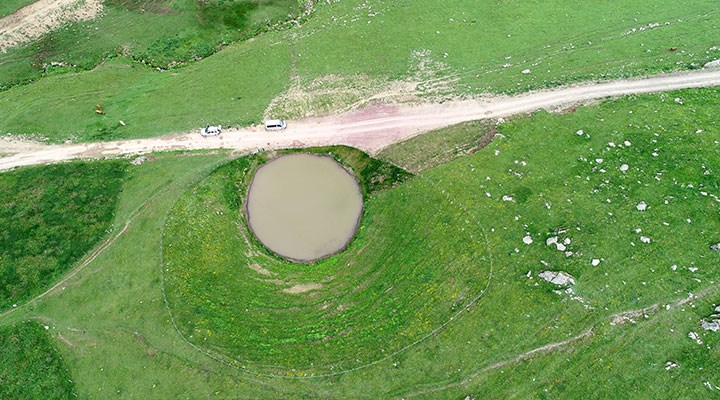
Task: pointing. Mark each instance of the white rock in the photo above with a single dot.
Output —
(645, 239)
(712, 64)
(670, 365)
(694, 336)
(611, 144)
(711, 325)
(678, 100)
(527, 239)
(551, 240)
(580, 132)
(567, 241)
(599, 160)
(692, 269)
(507, 198)
(595, 262)
(560, 246)
(624, 167)
(673, 267)
(627, 143)
(559, 278)
(525, 71)
(641, 206)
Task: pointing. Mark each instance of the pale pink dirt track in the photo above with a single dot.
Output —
(369, 129)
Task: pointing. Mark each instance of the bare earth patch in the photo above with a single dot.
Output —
(43, 16)
(302, 288)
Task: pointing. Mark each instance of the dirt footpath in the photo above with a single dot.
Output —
(369, 129)
(34, 20)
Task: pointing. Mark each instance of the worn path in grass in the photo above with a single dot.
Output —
(369, 129)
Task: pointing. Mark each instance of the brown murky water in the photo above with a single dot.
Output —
(304, 207)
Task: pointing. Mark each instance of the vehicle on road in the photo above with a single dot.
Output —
(275, 125)
(211, 130)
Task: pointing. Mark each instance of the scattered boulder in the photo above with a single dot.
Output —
(525, 71)
(715, 247)
(710, 325)
(670, 365)
(645, 239)
(554, 239)
(527, 239)
(641, 206)
(694, 336)
(595, 262)
(624, 168)
(559, 278)
(712, 64)
(139, 161)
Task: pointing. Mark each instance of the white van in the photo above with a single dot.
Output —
(275, 125)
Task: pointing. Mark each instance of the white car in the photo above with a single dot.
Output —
(275, 125)
(210, 130)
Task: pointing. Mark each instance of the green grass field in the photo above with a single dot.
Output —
(30, 365)
(408, 260)
(51, 217)
(349, 51)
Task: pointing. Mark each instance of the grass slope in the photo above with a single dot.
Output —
(30, 365)
(159, 33)
(467, 47)
(123, 342)
(50, 217)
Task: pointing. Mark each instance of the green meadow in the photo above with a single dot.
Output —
(438, 295)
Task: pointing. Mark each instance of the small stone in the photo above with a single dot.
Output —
(551, 240)
(527, 239)
(641, 206)
(580, 132)
(560, 246)
(645, 239)
(507, 198)
(692, 269)
(673, 267)
(599, 160)
(627, 143)
(624, 168)
(715, 247)
(525, 71)
(595, 262)
(670, 365)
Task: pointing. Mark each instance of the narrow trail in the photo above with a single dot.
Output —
(369, 129)
(619, 318)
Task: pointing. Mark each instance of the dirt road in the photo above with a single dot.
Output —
(369, 129)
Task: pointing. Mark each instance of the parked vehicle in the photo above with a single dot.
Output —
(275, 125)
(210, 130)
